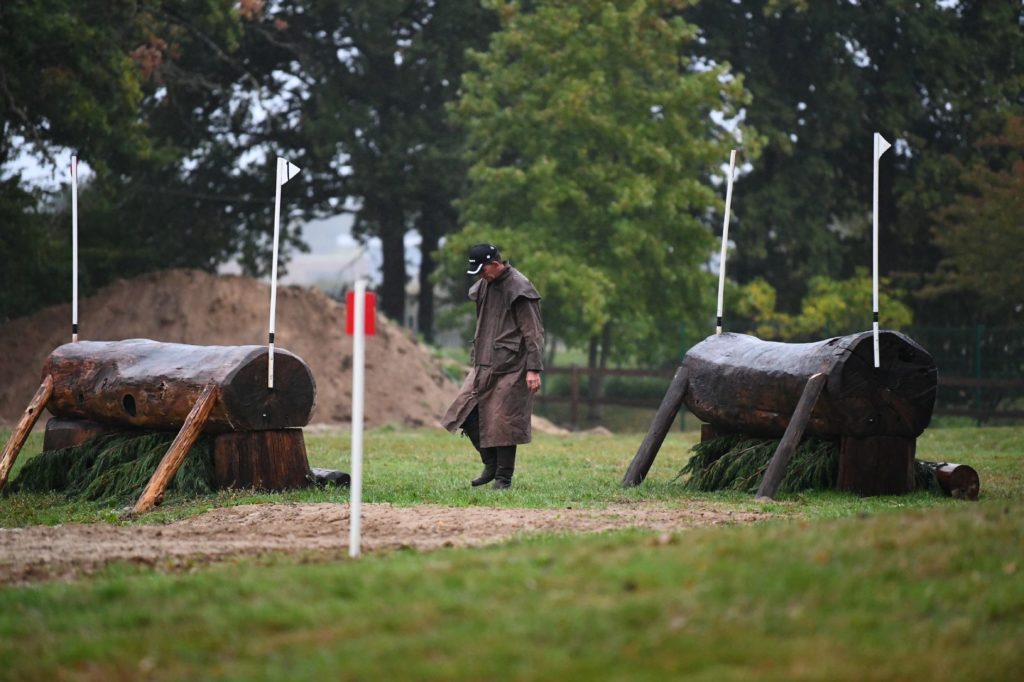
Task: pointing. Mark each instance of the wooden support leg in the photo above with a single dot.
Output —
(791, 438)
(662, 422)
(24, 427)
(183, 442)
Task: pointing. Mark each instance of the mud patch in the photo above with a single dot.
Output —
(70, 551)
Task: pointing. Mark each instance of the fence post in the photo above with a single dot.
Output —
(574, 397)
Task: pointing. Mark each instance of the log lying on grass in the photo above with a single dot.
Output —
(743, 384)
(154, 385)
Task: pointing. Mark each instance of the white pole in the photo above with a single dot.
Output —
(358, 350)
(880, 146)
(273, 273)
(725, 241)
(74, 248)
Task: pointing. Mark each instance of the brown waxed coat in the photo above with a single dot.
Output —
(509, 341)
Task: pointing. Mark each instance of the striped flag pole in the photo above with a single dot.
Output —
(725, 241)
(358, 390)
(880, 147)
(74, 248)
(286, 170)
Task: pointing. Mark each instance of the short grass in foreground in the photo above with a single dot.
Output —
(409, 467)
(931, 594)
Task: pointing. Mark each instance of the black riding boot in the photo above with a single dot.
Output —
(506, 467)
(489, 456)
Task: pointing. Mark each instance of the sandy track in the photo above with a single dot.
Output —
(69, 551)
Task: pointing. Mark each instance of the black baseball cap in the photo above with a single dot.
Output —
(480, 255)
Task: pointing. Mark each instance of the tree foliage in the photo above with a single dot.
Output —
(934, 78)
(830, 308)
(981, 233)
(592, 144)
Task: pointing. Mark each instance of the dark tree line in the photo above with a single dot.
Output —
(181, 107)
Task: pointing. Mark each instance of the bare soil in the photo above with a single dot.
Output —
(404, 383)
(68, 552)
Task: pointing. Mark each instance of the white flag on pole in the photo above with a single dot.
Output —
(74, 247)
(881, 146)
(286, 170)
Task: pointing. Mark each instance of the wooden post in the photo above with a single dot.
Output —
(264, 460)
(574, 397)
(659, 428)
(877, 465)
(791, 438)
(24, 427)
(183, 442)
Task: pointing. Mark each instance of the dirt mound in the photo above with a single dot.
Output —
(404, 385)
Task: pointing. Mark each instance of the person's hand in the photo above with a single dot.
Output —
(533, 381)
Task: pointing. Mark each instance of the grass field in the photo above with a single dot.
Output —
(839, 587)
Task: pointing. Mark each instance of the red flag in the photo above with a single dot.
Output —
(370, 317)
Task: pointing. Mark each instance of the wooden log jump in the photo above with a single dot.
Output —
(153, 385)
(741, 384)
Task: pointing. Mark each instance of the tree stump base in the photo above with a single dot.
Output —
(263, 460)
(877, 465)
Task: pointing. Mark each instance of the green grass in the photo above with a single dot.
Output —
(928, 594)
(837, 588)
(417, 466)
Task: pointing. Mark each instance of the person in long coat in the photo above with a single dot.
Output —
(495, 403)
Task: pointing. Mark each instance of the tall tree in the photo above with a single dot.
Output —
(592, 140)
(981, 234)
(933, 77)
(154, 97)
(371, 125)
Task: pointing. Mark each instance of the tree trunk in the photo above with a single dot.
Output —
(392, 291)
(598, 361)
(425, 310)
(154, 385)
(743, 384)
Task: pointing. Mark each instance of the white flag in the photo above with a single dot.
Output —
(286, 170)
(881, 145)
